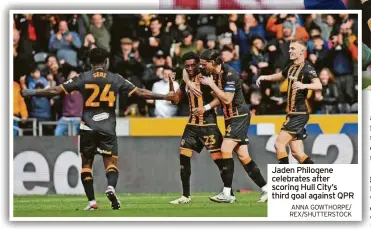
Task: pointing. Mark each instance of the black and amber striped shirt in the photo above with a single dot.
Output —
(209, 117)
(304, 73)
(229, 81)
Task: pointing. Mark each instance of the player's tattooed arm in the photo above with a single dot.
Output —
(272, 77)
(48, 92)
(191, 86)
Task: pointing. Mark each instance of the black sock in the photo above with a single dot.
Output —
(254, 173)
(308, 161)
(283, 160)
(112, 175)
(185, 174)
(219, 163)
(87, 182)
(227, 173)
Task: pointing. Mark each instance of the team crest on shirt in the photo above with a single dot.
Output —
(229, 73)
(313, 72)
(182, 142)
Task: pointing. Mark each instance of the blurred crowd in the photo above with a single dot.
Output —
(146, 49)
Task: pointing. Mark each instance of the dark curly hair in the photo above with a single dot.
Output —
(98, 56)
(191, 55)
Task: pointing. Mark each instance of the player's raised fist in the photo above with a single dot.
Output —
(171, 82)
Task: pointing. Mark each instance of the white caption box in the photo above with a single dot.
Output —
(313, 196)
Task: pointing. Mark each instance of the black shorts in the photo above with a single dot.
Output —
(95, 142)
(295, 124)
(236, 129)
(196, 137)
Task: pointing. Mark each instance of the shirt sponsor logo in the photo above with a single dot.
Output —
(230, 82)
(229, 88)
(101, 116)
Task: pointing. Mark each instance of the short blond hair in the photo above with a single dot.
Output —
(300, 41)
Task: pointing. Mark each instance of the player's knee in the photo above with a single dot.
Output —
(244, 159)
(226, 152)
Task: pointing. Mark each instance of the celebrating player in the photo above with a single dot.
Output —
(98, 127)
(237, 121)
(302, 77)
(202, 129)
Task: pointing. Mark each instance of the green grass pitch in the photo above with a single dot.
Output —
(138, 205)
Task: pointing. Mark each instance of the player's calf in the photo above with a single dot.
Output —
(87, 182)
(112, 174)
(227, 173)
(185, 170)
(112, 177)
(254, 172)
(220, 162)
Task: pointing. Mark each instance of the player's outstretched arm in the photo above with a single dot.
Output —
(150, 95)
(191, 86)
(48, 92)
(272, 77)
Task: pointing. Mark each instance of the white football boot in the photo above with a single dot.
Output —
(92, 205)
(222, 198)
(263, 197)
(181, 200)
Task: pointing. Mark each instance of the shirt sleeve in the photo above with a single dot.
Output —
(126, 86)
(72, 84)
(311, 73)
(231, 80)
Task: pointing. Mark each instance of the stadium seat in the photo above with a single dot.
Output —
(354, 108)
(40, 57)
(344, 108)
(40, 60)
